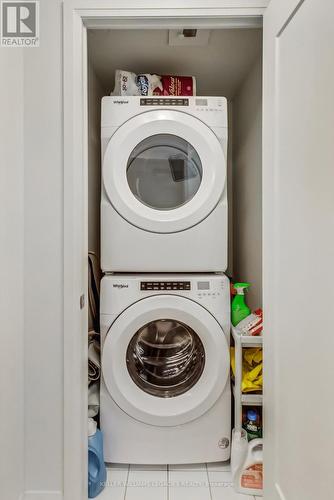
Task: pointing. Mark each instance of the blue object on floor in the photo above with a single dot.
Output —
(97, 473)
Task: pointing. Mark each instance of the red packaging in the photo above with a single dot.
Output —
(176, 85)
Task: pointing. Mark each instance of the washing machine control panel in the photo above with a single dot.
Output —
(165, 285)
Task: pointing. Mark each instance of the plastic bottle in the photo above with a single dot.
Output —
(239, 308)
(252, 424)
(238, 450)
(97, 473)
(248, 477)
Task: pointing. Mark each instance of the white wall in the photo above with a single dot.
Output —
(11, 274)
(43, 255)
(247, 184)
(299, 176)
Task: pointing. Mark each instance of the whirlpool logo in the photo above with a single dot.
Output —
(120, 285)
(121, 102)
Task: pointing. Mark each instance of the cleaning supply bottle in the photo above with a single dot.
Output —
(97, 473)
(248, 477)
(239, 308)
(252, 424)
(239, 450)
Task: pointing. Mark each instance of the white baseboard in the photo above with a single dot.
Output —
(42, 495)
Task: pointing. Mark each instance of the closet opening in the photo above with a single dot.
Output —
(225, 63)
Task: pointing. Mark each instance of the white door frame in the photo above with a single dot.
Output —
(78, 16)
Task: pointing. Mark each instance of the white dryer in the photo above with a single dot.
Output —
(165, 390)
(164, 196)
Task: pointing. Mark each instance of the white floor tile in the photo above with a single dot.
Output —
(222, 476)
(187, 467)
(115, 484)
(188, 485)
(195, 482)
(219, 466)
(147, 485)
(222, 489)
(148, 467)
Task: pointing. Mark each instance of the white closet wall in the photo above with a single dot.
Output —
(247, 183)
(219, 67)
(95, 94)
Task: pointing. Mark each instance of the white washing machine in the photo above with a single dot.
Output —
(165, 390)
(164, 196)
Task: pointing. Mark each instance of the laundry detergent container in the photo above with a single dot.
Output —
(97, 473)
(164, 196)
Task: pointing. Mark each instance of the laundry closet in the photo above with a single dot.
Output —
(227, 67)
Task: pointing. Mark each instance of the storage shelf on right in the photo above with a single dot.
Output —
(246, 340)
(249, 399)
(243, 399)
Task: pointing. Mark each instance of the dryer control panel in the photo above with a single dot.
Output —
(116, 110)
(165, 285)
(169, 101)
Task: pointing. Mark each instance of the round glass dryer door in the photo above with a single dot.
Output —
(164, 171)
(165, 360)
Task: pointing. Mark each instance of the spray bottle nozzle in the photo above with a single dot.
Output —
(241, 287)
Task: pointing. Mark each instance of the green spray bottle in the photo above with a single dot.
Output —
(240, 310)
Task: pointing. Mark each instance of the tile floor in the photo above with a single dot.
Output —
(170, 482)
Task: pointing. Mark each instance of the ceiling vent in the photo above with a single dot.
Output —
(188, 37)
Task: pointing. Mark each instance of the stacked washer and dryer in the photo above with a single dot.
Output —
(165, 302)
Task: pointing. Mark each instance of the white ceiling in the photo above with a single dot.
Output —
(219, 67)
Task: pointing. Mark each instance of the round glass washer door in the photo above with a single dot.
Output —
(165, 360)
(164, 171)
